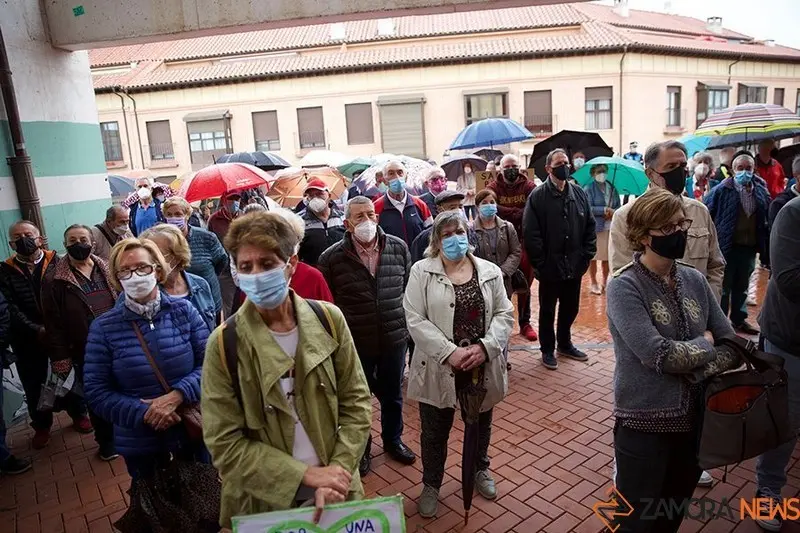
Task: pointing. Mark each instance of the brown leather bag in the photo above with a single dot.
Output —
(190, 414)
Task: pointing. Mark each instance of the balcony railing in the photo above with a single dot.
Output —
(160, 151)
(675, 118)
(311, 139)
(540, 125)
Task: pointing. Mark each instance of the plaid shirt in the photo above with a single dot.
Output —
(95, 289)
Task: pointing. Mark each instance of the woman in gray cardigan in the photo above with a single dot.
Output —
(658, 312)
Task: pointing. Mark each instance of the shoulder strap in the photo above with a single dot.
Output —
(324, 317)
(105, 234)
(230, 357)
(150, 359)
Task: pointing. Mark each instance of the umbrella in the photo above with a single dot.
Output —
(590, 143)
(489, 154)
(134, 196)
(120, 186)
(262, 160)
(288, 188)
(416, 172)
(359, 164)
(626, 176)
(324, 158)
(470, 392)
(490, 132)
(217, 180)
(453, 166)
(785, 156)
(695, 144)
(749, 123)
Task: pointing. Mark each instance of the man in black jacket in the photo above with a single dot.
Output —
(367, 273)
(324, 224)
(791, 192)
(9, 464)
(21, 279)
(559, 238)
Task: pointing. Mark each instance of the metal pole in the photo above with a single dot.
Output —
(20, 162)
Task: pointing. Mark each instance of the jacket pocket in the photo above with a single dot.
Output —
(697, 243)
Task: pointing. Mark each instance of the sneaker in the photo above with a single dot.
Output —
(596, 289)
(14, 465)
(485, 485)
(428, 503)
(41, 438)
(528, 332)
(83, 425)
(107, 452)
(614, 473)
(705, 480)
(549, 360)
(573, 353)
(746, 328)
(766, 508)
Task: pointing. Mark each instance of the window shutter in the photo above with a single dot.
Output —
(310, 127)
(359, 123)
(599, 93)
(402, 129)
(158, 132)
(265, 126)
(538, 103)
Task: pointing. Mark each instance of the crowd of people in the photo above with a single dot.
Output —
(280, 324)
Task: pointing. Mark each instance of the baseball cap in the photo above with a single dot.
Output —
(316, 184)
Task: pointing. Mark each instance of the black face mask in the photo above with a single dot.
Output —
(675, 180)
(670, 246)
(561, 173)
(511, 174)
(79, 250)
(26, 246)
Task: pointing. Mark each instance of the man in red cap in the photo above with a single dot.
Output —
(324, 222)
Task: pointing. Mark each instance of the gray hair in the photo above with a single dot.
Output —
(654, 151)
(395, 162)
(356, 200)
(508, 157)
(435, 172)
(743, 156)
(296, 222)
(704, 157)
(554, 153)
(444, 220)
(252, 208)
(796, 165)
(111, 212)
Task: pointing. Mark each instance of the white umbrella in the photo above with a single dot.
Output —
(324, 158)
(416, 172)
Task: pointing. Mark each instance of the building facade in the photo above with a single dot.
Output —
(409, 85)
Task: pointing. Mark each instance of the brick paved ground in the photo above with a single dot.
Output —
(551, 453)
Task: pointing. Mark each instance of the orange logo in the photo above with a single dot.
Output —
(616, 507)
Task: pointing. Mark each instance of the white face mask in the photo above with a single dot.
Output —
(137, 287)
(366, 231)
(145, 193)
(317, 205)
(600, 178)
(701, 170)
(467, 170)
(121, 230)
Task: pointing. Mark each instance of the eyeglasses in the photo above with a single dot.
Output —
(683, 225)
(141, 271)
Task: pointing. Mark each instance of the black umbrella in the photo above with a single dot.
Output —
(470, 392)
(453, 167)
(590, 143)
(262, 160)
(489, 154)
(785, 156)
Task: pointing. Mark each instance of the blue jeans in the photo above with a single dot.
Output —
(771, 465)
(385, 379)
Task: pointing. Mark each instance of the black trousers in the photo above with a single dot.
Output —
(385, 379)
(436, 426)
(32, 368)
(567, 293)
(103, 431)
(655, 472)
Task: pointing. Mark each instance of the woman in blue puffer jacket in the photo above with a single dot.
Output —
(120, 384)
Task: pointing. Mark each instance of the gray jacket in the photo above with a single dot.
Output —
(780, 314)
(659, 344)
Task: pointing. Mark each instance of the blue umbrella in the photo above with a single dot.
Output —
(490, 132)
(262, 160)
(120, 186)
(694, 143)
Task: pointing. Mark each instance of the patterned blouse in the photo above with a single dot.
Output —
(468, 317)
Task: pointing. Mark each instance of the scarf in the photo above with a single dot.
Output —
(147, 310)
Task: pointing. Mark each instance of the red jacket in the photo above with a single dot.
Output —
(772, 173)
(307, 282)
(511, 198)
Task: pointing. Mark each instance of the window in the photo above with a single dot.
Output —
(160, 139)
(494, 105)
(752, 93)
(598, 108)
(207, 140)
(777, 98)
(403, 125)
(265, 131)
(311, 127)
(112, 145)
(539, 112)
(674, 106)
(359, 123)
(710, 99)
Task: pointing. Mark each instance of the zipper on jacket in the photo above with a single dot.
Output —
(152, 326)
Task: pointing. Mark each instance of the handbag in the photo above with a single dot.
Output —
(746, 412)
(190, 414)
(519, 283)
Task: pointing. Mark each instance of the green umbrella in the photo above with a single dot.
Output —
(359, 164)
(626, 176)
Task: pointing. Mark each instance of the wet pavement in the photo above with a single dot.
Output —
(551, 455)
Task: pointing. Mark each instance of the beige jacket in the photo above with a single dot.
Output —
(429, 303)
(702, 248)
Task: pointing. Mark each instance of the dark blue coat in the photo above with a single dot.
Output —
(117, 375)
(723, 205)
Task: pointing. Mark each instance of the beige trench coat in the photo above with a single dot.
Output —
(429, 304)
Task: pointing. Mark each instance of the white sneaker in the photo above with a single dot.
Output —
(768, 524)
(705, 480)
(614, 473)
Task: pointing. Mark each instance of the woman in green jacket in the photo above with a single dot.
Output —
(289, 425)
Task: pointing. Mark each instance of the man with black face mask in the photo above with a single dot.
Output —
(512, 189)
(21, 278)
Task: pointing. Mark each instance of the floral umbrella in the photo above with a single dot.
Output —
(416, 172)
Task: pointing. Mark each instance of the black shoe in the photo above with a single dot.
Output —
(366, 460)
(573, 353)
(746, 328)
(401, 453)
(549, 360)
(107, 452)
(14, 465)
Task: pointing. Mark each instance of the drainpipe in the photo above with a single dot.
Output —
(621, 105)
(730, 70)
(20, 162)
(125, 124)
(138, 133)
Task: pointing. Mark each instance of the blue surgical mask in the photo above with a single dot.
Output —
(382, 187)
(488, 210)
(455, 247)
(744, 177)
(266, 290)
(397, 185)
